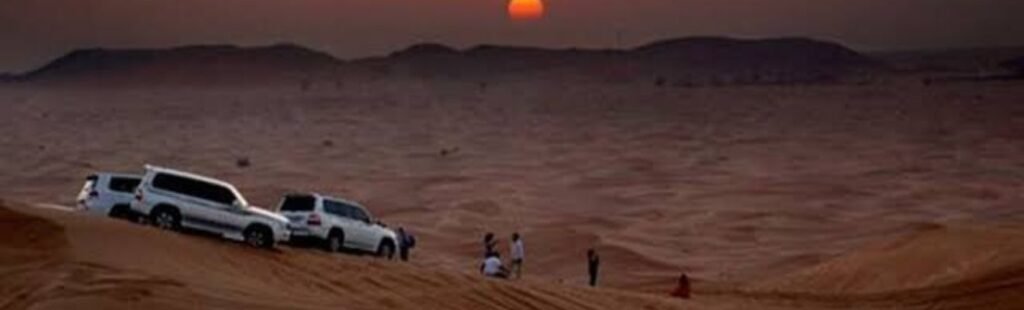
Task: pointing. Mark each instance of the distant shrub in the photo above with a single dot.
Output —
(243, 162)
(660, 81)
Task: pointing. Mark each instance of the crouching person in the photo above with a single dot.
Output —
(492, 266)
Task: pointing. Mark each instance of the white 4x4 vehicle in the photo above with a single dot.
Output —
(337, 223)
(108, 194)
(175, 199)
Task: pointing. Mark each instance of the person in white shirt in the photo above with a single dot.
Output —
(518, 254)
(492, 267)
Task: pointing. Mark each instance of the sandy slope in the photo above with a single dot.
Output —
(71, 261)
(744, 188)
(54, 259)
(936, 267)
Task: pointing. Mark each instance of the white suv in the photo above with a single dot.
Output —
(175, 199)
(337, 223)
(108, 194)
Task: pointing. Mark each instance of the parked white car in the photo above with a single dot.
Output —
(174, 199)
(109, 194)
(337, 224)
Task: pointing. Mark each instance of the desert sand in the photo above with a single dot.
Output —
(893, 194)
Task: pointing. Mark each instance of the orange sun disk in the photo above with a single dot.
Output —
(525, 9)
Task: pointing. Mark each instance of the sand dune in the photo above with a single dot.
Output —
(71, 261)
(936, 267)
(761, 194)
(56, 259)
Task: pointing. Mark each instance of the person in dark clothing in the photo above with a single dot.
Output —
(593, 264)
(683, 288)
(489, 244)
(406, 241)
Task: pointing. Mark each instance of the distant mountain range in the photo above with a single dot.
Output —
(201, 64)
(689, 61)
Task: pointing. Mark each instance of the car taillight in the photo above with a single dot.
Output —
(313, 220)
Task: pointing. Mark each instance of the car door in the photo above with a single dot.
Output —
(97, 199)
(363, 230)
(205, 214)
(229, 217)
(87, 189)
(297, 208)
(209, 206)
(340, 216)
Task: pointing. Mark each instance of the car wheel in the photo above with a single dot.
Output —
(121, 212)
(386, 249)
(335, 242)
(259, 237)
(166, 219)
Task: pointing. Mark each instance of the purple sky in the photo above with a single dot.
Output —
(33, 32)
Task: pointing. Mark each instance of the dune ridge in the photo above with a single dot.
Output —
(100, 263)
(74, 261)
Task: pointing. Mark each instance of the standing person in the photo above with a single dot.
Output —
(406, 241)
(489, 244)
(683, 288)
(593, 264)
(517, 253)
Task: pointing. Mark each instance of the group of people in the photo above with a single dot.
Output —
(493, 266)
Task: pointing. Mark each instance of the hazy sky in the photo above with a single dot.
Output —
(33, 32)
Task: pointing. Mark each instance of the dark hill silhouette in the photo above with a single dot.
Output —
(701, 60)
(219, 64)
(730, 52)
(690, 61)
(750, 61)
(425, 50)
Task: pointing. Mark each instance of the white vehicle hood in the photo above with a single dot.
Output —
(264, 213)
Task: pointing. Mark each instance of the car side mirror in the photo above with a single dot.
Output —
(237, 205)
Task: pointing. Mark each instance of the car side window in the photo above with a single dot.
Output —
(335, 208)
(195, 188)
(124, 185)
(358, 214)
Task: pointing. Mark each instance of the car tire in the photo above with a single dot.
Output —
(259, 236)
(166, 218)
(335, 241)
(386, 249)
(121, 212)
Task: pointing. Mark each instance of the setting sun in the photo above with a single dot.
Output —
(525, 9)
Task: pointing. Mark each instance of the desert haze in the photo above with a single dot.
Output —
(778, 174)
